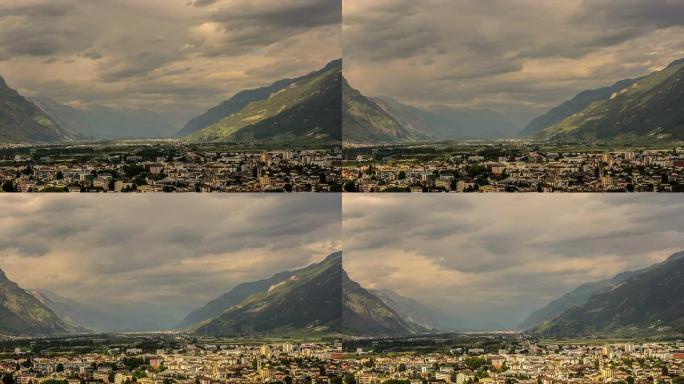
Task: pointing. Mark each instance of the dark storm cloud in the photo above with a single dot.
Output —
(438, 52)
(503, 256)
(174, 57)
(182, 252)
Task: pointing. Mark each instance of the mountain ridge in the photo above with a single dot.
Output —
(649, 301)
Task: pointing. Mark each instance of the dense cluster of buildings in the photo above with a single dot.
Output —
(191, 171)
(289, 363)
(533, 171)
(651, 363)
(325, 363)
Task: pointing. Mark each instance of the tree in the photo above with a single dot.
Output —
(8, 379)
(349, 186)
(402, 175)
(8, 186)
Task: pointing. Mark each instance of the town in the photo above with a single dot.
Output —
(167, 167)
(500, 167)
(209, 361)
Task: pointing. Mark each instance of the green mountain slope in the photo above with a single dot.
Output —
(309, 301)
(306, 109)
(233, 297)
(21, 121)
(230, 106)
(22, 314)
(653, 106)
(576, 297)
(572, 106)
(647, 302)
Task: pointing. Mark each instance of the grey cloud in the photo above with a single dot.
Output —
(190, 250)
(459, 53)
(503, 255)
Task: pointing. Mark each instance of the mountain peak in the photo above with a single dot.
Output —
(677, 255)
(676, 62)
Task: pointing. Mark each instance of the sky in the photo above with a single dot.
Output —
(488, 261)
(176, 57)
(517, 57)
(161, 256)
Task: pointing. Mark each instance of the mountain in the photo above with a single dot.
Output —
(409, 309)
(68, 117)
(646, 302)
(308, 301)
(365, 314)
(378, 120)
(22, 314)
(233, 297)
(100, 122)
(21, 121)
(576, 297)
(307, 108)
(111, 123)
(319, 299)
(478, 123)
(419, 120)
(364, 121)
(89, 317)
(651, 107)
(572, 106)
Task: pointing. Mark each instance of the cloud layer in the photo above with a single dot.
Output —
(161, 254)
(177, 57)
(489, 260)
(519, 57)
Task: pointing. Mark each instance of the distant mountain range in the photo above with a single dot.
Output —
(646, 301)
(22, 314)
(307, 108)
(42, 120)
(651, 107)
(382, 120)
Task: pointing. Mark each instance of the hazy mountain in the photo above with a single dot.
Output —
(576, 297)
(67, 117)
(104, 318)
(307, 108)
(22, 314)
(409, 309)
(478, 123)
(572, 106)
(99, 122)
(233, 297)
(646, 302)
(110, 123)
(366, 122)
(365, 314)
(21, 121)
(652, 106)
(308, 301)
(419, 120)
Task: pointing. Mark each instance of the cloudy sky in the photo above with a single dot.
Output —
(161, 256)
(519, 57)
(489, 260)
(178, 57)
